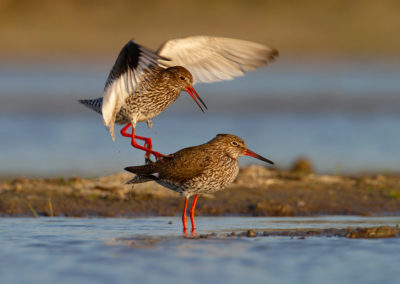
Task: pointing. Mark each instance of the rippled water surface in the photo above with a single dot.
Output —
(66, 250)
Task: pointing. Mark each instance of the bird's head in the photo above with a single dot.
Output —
(236, 147)
(184, 81)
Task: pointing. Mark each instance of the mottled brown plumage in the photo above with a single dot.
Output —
(197, 170)
(143, 83)
(160, 88)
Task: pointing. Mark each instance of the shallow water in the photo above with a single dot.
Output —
(67, 250)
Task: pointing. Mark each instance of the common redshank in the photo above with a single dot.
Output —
(205, 168)
(143, 83)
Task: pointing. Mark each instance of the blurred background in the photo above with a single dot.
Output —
(332, 95)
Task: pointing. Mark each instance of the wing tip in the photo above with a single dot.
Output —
(110, 129)
(273, 54)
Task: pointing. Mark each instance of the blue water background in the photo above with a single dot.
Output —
(342, 114)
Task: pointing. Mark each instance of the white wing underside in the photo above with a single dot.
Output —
(212, 59)
(121, 85)
(209, 59)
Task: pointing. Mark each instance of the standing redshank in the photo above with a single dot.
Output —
(143, 83)
(206, 168)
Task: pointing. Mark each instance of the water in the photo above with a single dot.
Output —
(344, 115)
(63, 250)
(80, 145)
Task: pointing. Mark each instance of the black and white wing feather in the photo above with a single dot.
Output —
(212, 59)
(127, 76)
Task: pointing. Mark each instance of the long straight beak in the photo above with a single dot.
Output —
(192, 92)
(247, 152)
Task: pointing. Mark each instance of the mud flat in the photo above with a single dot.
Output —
(379, 232)
(257, 191)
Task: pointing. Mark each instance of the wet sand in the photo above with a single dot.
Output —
(257, 191)
(350, 233)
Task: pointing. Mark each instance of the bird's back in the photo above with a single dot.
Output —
(185, 165)
(157, 94)
(193, 170)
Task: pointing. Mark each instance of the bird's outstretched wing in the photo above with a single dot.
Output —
(128, 75)
(212, 59)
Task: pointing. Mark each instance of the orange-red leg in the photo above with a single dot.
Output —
(147, 145)
(184, 218)
(192, 211)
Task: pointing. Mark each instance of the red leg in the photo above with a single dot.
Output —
(147, 145)
(192, 212)
(147, 140)
(123, 130)
(184, 218)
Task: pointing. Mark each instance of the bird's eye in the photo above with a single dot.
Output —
(182, 78)
(234, 143)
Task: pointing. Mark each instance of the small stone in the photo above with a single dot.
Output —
(76, 179)
(302, 166)
(20, 180)
(251, 234)
(18, 187)
(301, 203)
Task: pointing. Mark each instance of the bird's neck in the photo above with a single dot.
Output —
(169, 87)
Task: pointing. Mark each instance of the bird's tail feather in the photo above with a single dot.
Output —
(94, 104)
(141, 179)
(143, 173)
(145, 170)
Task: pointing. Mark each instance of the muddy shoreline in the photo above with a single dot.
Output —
(257, 191)
(381, 232)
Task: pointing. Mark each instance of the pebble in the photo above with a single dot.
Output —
(251, 234)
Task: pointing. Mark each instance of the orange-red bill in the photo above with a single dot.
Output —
(192, 92)
(247, 152)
